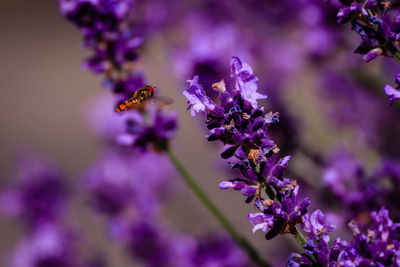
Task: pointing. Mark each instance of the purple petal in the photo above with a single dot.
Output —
(392, 93)
(372, 54)
(198, 100)
(249, 190)
(225, 185)
(246, 81)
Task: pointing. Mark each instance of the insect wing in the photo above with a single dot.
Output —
(164, 100)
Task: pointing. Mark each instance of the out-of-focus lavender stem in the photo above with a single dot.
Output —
(201, 195)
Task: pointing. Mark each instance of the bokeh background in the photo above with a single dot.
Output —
(44, 107)
(46, 100)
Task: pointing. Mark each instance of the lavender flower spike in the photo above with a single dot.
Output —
(246, 81)
(244, 127)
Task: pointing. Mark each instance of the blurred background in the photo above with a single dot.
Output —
(328, 99)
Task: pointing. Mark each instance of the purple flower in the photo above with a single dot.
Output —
(372, 54)
(392, 93)
(297, 260)
(218, 250)
(383, 226)
(246, 81)
(261, 221)
(198, 101)
(39, 194)
(235, 121)
(377, 246)
(112, 31)
(358, 192)
(207, 45)
(342, 176)
(154, 244)
(315, 224)
(247, 189)
(101, 23)
(377, 28)
(48, 245)
(349, 105)
(116, 183)
(285, 215)
(150, 244)
(153, 131)
(244, 126)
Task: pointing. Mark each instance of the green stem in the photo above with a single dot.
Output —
(299, 237)
(240, 240)
(302, 241)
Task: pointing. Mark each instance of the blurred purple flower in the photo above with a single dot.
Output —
(218, 250)
(358, 193)
(378, 25)
(119, 183)
(48, 245)
(38, 195)
(102, 25)
(352, 105)
(149, 132)
(113, 32)
(155, 245)
(150, 244)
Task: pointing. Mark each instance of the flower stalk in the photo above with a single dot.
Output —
(219, 216)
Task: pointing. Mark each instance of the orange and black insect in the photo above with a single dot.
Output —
(141, 96)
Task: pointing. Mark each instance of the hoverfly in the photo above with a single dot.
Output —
(141, 96)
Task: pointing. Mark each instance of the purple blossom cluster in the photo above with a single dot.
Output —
(153, 130)
(241, 124)
(39, 194)
(356, 192)
(215, 30)
(113, 33)
(117, 183)
(377, 246)
(377, 23)
(156, 245)
(39, 198)
(106, 32)
(351, 105)
(49, 245)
